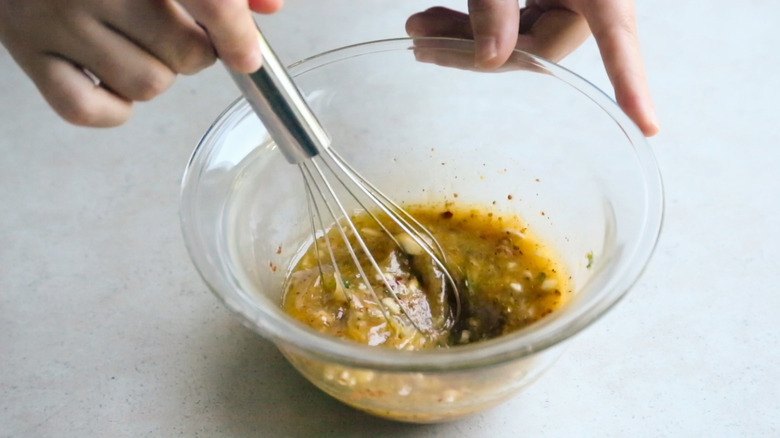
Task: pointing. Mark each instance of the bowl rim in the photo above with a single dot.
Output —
(289, 334)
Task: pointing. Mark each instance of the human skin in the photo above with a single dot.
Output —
(91, 59)
(552, 29)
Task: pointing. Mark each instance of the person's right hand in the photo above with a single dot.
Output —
(91, 59)
(552, 29)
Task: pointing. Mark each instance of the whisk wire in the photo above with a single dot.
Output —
(302, 139)
(387, 203)
(309, 180)
(337, 222)
(352, 194)
(344, 219)
(407, 222)
(314, 210)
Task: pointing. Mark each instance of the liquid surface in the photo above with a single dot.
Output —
(506, 278)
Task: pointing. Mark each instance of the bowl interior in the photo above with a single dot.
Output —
(532, 140)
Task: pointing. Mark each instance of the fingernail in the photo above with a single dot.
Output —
(248, 62)
(655, 126)
(652, 119)
(486, 51)
(254, 60)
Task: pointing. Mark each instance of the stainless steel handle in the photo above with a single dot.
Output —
(272, 94)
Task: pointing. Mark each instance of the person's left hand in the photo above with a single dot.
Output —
(92, 59)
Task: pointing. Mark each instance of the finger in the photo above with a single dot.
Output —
(528, 16)
(73, 95)
(495, 27)
(164, 29)
(439, 22)
(232, 30)
(265, 6)
(614, 27)
(613, 24)
(122, 66)
(554, 34)
(431, 52)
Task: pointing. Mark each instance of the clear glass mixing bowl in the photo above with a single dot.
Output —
(532, 139)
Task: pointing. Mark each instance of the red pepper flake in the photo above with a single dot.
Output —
(447, 214)
(273, 266)
(542, 213)
(509, 197)
(279, 250)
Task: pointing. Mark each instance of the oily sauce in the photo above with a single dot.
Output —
(507, 280)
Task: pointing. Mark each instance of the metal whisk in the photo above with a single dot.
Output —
(328, 178)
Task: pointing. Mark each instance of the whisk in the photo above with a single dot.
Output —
(328, 178)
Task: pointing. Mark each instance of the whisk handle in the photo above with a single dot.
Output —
(279, 104)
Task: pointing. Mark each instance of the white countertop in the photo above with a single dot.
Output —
(107, 330)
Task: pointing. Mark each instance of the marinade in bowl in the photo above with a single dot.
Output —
(505, 280)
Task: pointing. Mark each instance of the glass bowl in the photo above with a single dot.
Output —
(415, 117)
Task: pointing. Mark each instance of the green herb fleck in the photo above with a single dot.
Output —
(590, 260)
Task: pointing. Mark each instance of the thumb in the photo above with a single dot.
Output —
(495, 24)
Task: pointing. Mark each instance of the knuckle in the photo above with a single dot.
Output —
(616, 35)
(194, 59)
(76, 109)
(150, 84)
(486, 6)
(73, 97)
(217, 10)
(622, 23)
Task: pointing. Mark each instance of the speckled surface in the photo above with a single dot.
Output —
(107, 330)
